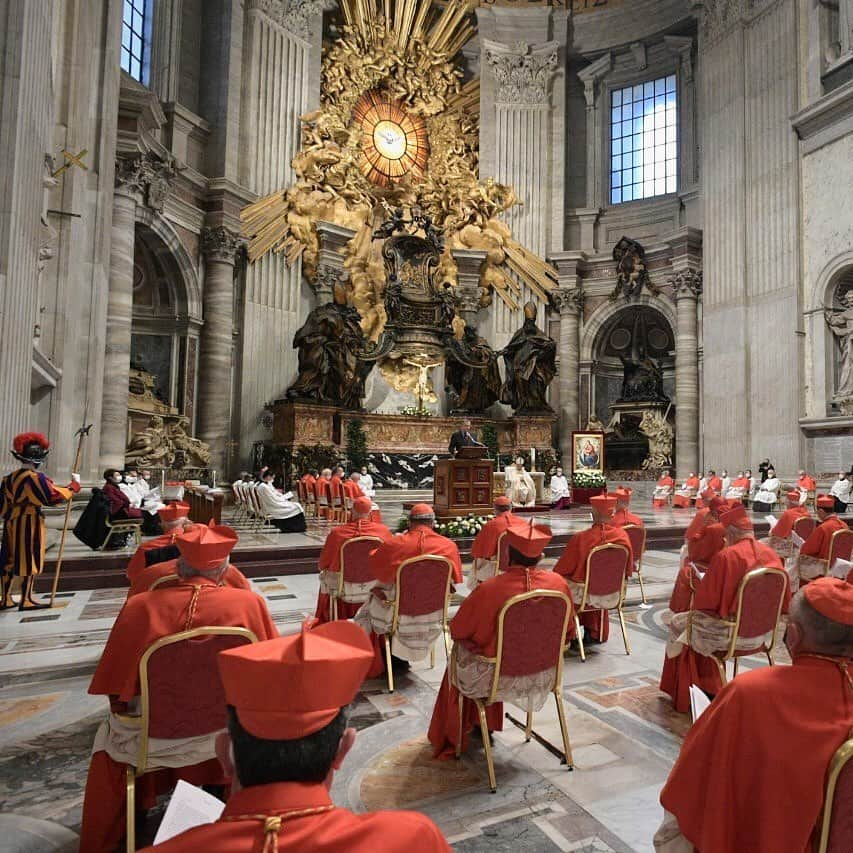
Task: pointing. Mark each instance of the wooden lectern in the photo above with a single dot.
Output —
(463, 485)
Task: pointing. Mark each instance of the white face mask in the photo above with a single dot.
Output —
(130, 480)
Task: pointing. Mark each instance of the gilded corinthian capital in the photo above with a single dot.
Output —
(523, 72)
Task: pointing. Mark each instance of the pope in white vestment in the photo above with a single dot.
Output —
(520, 488)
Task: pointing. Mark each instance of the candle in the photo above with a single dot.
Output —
(162, 481)
(532, 458)
(214, 480)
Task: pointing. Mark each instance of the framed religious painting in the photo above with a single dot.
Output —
(587, 452)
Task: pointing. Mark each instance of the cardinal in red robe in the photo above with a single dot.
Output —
(816, 547)
(174, 519)
(663, 490)
(572, 562)
(418, 540)
(717, 594)
(623, 516)
(475, 626)
(704, 538)
(197, 600)
(280, 794)
(683, 497)
(752, 769)
(330, 556)
(484, 548)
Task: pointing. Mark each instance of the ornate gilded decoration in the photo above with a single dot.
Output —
(141, 394)
(400, 56)
(393, 143)
(659, 432)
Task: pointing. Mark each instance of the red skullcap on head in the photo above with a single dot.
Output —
(623, 493)
(832, 598)
(793, 496)
(707, 494)
(292, 687)
(422, 511)
(736, 517)
(172, 512)
(22, 440)
(206, 547)
(503, 500)
(531, 540)
(605, 504)
(362, 505)
(717, 503)
(825, 502)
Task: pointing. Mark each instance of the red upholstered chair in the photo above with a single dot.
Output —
(606, 574)
(355, 568)
(181, 695)
(759, 607)
(840, 547)
(423, 586)
(804, 527)
(531, 639)
(637, 535)
(836, 826)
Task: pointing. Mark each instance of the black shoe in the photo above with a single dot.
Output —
(399, 664)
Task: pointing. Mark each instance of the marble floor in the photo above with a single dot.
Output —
(624, 734)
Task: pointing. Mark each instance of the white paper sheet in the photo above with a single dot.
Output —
(771, 520)
(188, 808)
(798, 542)
(841, 568)
(698, 702)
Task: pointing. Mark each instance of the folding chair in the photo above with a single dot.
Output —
(355, 568)
(760, 597)
(122, 527)
(181, 668)
(423, 586)
(606, 574)
(637, 535)
(531, 639)
(836, 824)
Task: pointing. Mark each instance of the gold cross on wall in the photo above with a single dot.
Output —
(72, 161)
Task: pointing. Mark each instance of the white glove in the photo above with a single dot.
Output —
(75, 478)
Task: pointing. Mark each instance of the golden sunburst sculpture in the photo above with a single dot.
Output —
(396, 126)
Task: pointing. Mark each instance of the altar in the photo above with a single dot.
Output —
(403, 449)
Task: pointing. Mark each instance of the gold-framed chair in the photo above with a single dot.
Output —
(840, 547)
(637, 535)
(606, 574)
(338, 502)
(531, 639)
(804, 527)
(123, 526)
(836, 822)
(423, 586)
(354, 561)
(309, 500)
(755, 589)
(239, 508)
(163, 581)
(188, 675)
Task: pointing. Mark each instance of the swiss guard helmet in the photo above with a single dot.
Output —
(30, 447)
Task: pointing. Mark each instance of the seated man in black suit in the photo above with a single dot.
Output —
(463, 438)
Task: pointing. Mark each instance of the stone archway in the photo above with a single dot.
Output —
(617, 337)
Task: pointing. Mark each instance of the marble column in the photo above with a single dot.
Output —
(590, 77)
(119, 320)
(468, 265)
(139, 179)
(219, 247)
(568, 299)
(688, 288)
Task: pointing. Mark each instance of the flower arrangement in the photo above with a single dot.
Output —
(416, 412)
(460, 528)
(588, 479)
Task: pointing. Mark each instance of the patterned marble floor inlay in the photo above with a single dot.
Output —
(624, 732)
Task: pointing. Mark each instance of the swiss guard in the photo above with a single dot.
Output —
(23, 493)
